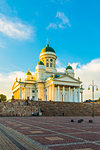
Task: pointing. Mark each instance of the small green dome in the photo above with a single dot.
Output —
(40, 63)
(28, 73)
(69, 67)
(47, 49)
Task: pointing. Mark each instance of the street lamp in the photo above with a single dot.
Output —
(93, 86)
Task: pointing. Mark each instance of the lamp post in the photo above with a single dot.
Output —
(93, 86)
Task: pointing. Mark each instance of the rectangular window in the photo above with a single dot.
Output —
(50, 64)
(54, 65)
(47, 64)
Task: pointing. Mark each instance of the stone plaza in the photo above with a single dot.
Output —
(45, 133)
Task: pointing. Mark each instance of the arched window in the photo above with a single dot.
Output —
(54, 65)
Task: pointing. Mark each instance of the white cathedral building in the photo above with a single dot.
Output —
(48, 84)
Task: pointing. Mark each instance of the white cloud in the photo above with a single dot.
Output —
(60, 66)
(15, 29)
(6, 82)
(51, 25)
(87, 73)
(64, 21)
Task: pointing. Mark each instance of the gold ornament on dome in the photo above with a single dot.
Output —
(47, 41)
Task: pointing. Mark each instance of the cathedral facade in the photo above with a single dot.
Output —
(48, 84)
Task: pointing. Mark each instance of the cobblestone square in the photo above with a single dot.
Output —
(56, 133)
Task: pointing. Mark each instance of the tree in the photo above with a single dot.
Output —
(3, 97)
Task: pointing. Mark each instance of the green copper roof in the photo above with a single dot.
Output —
(47, 49)
(69, 67)
(40, 63)
(28, 73)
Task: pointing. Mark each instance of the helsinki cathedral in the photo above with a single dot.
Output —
(47, 83)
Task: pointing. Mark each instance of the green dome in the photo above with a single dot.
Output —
(40, 63)
(69, 67)
(28, 73)
(47, 49)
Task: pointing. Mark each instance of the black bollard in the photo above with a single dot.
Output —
(90, 121)
(72, 120)
(79, 121)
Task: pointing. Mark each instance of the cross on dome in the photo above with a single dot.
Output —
(47, 42)
(69, 64)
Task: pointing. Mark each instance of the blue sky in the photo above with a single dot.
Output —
(72, 26)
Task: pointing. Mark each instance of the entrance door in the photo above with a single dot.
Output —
(62, 98)
(46, 97)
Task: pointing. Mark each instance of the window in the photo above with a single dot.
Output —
(51, 60)
(47, 64)
(33, 91)
(54, 65)
(50, 64)
(47, 59)
(33, 97)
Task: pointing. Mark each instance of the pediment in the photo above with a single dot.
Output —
(14, 85)
(67, 79)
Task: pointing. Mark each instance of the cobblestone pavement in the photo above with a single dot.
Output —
(44, 133)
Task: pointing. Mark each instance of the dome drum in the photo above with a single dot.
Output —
(47, 54)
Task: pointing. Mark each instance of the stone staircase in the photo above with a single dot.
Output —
(66, 109)
(19, 108)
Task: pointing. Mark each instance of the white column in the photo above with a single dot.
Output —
(58, 92)
(78, 94)
(63, 93)
(53, 92)
(20, 92)
(69, 94)
(81, 97)
(74, 95)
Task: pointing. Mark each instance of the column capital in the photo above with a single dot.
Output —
(20, 86)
